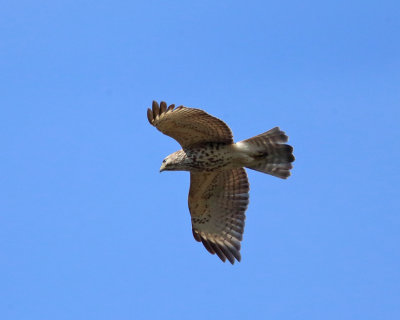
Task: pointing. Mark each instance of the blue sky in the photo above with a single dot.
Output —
(92, 230)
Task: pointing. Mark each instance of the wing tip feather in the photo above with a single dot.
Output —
(217, 250)
(163, 107)
(157, 110)
(150, 115)
(196, 235)
(224, 249)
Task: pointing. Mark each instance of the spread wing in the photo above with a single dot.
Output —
(188, 126)
(217, 204)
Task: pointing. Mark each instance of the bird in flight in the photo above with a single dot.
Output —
(219, 188)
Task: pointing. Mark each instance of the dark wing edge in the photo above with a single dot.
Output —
(157, 110)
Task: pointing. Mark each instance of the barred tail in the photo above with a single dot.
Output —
(269, 153)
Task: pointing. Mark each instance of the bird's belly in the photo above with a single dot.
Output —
(213, 157)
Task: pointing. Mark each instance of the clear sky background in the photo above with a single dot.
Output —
(91, 230)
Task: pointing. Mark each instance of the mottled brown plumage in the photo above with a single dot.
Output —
(219, 188)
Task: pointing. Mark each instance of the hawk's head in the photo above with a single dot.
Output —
(175, 161)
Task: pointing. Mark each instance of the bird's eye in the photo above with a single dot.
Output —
(164, 161)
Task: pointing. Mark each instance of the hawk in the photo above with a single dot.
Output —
(219, 188)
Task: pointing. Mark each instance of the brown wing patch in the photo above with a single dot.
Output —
(217, 203)
(188, 126)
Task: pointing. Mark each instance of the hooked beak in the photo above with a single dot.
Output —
(162, 168)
